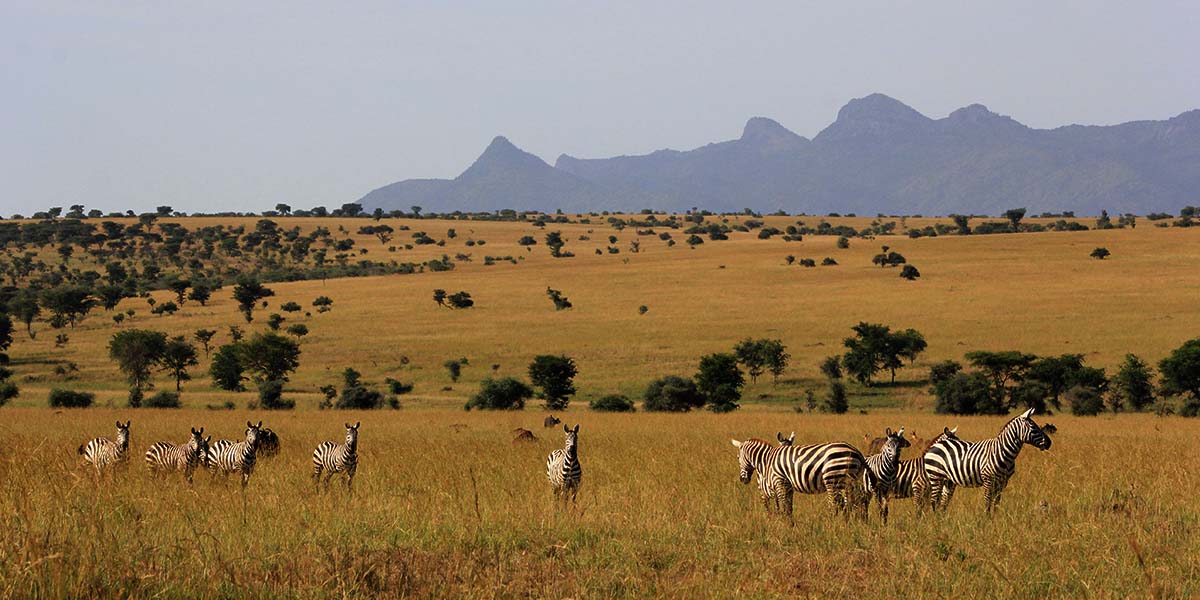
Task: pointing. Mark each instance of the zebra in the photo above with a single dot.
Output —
(227, 457)
(760, 458)
(563, 468)
(989, 463)
(337, 458)
(103, 453)
(165, 456)
(833, 468)
(882, 469)
(910, 477)
(268, 443)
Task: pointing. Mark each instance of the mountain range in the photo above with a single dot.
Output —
(878, 156)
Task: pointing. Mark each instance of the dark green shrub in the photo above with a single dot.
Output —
(505, 393)
(163, 399)
(71, 399)
(612, 403)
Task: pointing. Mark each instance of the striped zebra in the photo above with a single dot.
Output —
(882, 471)
(165, 456)
(990, 463)
(103, 453)
(227, 457)
(910, 478)
(563, 468)
(833, 468)
(760, 459)
(337, 458)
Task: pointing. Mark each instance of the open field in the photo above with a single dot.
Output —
(1035, 292)
(439, 512)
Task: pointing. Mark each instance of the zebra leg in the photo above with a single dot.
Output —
(350, 482)
(946, 495)
(316, 476)
(883, 507)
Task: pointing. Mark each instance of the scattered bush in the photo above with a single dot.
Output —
(163, 399)
(836, 402)
(71, 399)
(1085, 401)
(505, 393)
(672, 394)
(612, 403)
(1100, 253)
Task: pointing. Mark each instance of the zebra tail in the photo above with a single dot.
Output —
(81, 446)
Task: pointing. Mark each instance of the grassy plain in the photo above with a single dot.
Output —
(459, 511)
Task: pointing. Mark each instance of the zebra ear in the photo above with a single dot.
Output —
(901, 432)
(792, 438)
(1028, 413)
(357, 424)
(127, 423)
(348, 426)
(259, 424)
(249, 424)
(577, 428)
(566, 429)
(889, 432)
(955, 430)
(208, 439)
(736, 444)
(118, 424)
(779, 436)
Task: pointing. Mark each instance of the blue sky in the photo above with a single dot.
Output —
(239, 106)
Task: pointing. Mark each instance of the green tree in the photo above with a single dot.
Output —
(505, 393)
(554, 376)
(137, 352)
(1133, 384)
(205, 337)
(226, 368)
(836, 402)
(68, 303)
(1180, 375)
(967, 394)
(1002, 368)
(1014, 216)
(247, 293)
(555, 242)
(831, 367)
(720, 381)
(750, 354)
(1100, 253)
(270, 356)
(672, 394)
(454, 369)
(178, 355)
(777, 358)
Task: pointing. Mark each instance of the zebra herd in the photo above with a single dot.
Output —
(850, 479)
(223, 457)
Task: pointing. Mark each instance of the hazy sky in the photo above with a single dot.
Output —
(210, 106)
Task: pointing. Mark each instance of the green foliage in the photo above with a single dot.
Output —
(163, 399)
(505, 393)
(177, 356)
(205, 336)
(297, 330)
(554, 376)
(454, 369)
(274, 320)
(762, 355)
(612, 403)
(1180, 375)
(944, 370)
(555, 242)
(460, 300)
(68, 303)
(355, 395)
(137, 352)
(270, 356)
(836, 402)
(875, 347)
(247, 292)
(909, 272)
(1085, 401)
(967, 394)
(831, 367)
(560, 301)
(270, 396)
(1100, 253)
(70, 399)
(290, 307)
(672, 394)
(1133, 384)
(227, 370)
(720, 381)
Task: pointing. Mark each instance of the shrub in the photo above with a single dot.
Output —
(1085, 401)
(460, 300)
(270, 396)
(831, 367)
(643, 309)
(909, 272)
(828, 262)
(163, 399)
(505, 393)
(672, 394)
(836, 402)
(1100, 253)
(554, 375)
(944, 370)
(612, 403)
(720, 381)
(290, 307)
(843, 242)
(454, 369)
(298, 330)
(71, 399)
(355, 395)
(967, 394)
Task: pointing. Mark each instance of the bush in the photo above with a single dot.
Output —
(554, 376)
(163, 399)
(1085, 401)
(612, 403)
(505, 393)
(270, 396)
(672, 394)
(967, 394)
(944, 370)
(71, 399)
(720, 381)
(836, 402)
(1100, 253)
(909, 272)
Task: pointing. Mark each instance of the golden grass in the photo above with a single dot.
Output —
(1033, 292)
(439, 512)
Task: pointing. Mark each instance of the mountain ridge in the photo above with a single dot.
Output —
(878, 156)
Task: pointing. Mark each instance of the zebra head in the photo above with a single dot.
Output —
(123, 433)
(894, 441)
(751, 454)
(252, 433)
(352, 435)
(1027, 431)
(197, 441)
(572, 438)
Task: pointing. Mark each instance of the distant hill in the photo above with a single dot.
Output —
(879, 156)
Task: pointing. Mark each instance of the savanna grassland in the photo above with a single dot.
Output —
(441, 511)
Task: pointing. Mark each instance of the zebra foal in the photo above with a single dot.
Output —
(333, 458)
(165, 456)
(563, 468)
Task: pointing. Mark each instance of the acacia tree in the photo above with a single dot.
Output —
(177, 356)
(1133, 384)
(554, 376)
(247, 293)
(205, 336)
(720, 382)
(136, 352)
(1001, 369)
(1014, 216)
(68, 303)
(876, 347)
(1181, 375)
